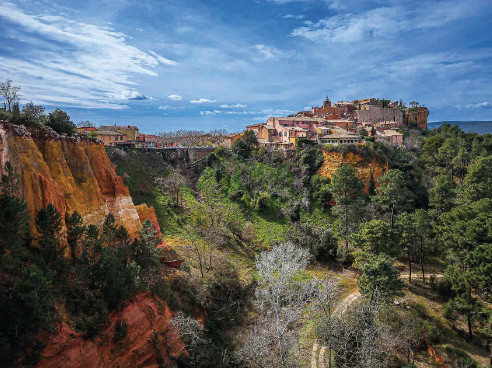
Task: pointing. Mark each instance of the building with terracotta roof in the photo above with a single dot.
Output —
(391, 137)
(130, 131)
(110, 138)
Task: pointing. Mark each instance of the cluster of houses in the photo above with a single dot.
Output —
(341, 123)
(333, 124)
(124, 136)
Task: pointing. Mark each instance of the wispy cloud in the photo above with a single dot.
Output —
(94, 64)
(266, 52)
(214, 112)
(479, 105)
(236, 106)
(202, 100)
(292, 16)
(385, 22)
(175, 97)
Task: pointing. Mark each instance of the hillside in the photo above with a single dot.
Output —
(353, 229)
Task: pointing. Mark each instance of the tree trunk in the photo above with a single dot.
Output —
(392, 215)
(422, 258)
(409, 270)
(470, 333)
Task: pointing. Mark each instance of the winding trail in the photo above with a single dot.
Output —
(318, 360)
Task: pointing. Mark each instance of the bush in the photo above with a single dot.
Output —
(60, 122)
(319, 240)
(442, 287)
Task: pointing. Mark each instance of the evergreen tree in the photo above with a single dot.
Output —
(408, 239)
(75, 231)
(375, 237)
(347, 193)
(245, 145)
(109, 230)
(441, 194)
(477, 183)
(117, 280)
(392, 194)
(379, 279)
(60, 122)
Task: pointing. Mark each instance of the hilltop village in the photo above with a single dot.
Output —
(342, 123)
(334, 124)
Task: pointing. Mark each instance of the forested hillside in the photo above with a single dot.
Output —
(282, 266)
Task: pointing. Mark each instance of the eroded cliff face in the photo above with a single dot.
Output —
(74, 174)
(364, 168)
(143, 315)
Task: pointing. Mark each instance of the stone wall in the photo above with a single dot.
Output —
(377, 114)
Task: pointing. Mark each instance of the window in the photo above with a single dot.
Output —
(115, 138)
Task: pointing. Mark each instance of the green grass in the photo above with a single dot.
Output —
(269, 230)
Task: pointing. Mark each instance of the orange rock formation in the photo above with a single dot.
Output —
(74, 174)
(333, 160)
(144, 315)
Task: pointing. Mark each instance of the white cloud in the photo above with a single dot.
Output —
(267, 52)
(202, 100)
(166, 108)
(162, 59)
(479, 105)
(385, 22)
(79, 64)
(215, 112)
(277, 112)
(236, 106)
(292, 16)
(175, 97)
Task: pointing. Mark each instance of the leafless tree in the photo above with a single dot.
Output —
(189, 138)
(10, 93)
(324, 309)
(172, 184)
(192, 334)
(280, 299)
(371, 334)
(201, 250)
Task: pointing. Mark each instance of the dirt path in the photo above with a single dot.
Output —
(318, 360)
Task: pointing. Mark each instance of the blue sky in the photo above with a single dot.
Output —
(188, 64)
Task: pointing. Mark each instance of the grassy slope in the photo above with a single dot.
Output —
(139, 169)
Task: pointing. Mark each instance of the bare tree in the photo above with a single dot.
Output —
(10, 93)
(172, 184)
(200, 249)
(280, 297)
(192, 334)
(324, 310)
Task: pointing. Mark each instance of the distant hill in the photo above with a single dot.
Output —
(480, 127)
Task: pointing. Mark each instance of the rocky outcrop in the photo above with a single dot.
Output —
(148, 339)
(169, 256)
(418, 116)
(74, 174)
(364, 168)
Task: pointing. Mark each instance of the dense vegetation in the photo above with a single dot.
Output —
(429, 214)
(264, 239)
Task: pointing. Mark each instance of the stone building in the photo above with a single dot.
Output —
(377, 114)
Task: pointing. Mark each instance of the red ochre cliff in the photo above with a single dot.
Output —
(364, 168)
(74, 174)
(144, 316)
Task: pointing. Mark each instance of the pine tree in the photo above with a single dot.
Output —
(347, 193)
(75, 231)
